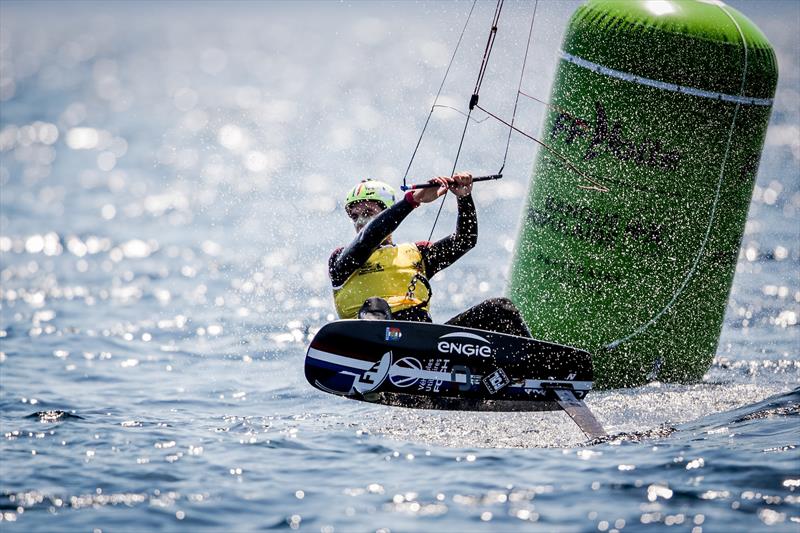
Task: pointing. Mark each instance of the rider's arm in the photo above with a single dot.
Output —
(443, 253)
(345, 261)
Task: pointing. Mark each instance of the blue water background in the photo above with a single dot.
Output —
(171, 177)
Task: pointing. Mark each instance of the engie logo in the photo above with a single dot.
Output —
(464, 344)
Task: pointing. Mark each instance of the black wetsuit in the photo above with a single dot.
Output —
(495, 314)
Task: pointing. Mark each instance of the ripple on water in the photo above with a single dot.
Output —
(54, 416)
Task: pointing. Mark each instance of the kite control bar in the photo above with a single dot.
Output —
(431, 185)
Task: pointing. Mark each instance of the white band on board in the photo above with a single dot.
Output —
(600, 69)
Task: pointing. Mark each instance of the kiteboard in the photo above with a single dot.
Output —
(438, 366)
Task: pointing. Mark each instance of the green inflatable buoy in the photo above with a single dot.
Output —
(661, 108)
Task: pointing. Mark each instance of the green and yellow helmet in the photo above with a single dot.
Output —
(373, 190)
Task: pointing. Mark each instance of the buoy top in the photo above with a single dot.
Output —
(701, 44)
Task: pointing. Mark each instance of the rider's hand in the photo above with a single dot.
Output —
(461, 184)
(425, 196)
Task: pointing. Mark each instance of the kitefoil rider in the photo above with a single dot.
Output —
(374, 278)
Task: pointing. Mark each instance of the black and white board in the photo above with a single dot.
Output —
(436, 366)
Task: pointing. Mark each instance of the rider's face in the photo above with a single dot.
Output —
(362, 212)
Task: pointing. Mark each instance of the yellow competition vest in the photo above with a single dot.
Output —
(386, 274)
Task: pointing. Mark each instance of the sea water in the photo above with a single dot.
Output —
(171, 182)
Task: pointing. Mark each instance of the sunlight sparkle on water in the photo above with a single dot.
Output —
(167, 215)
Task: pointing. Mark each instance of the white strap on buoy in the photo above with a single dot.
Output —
(663, 85)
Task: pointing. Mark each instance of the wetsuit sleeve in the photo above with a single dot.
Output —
(345, 261)
(443, 253)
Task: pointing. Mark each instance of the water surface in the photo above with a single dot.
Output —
(172, 177)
